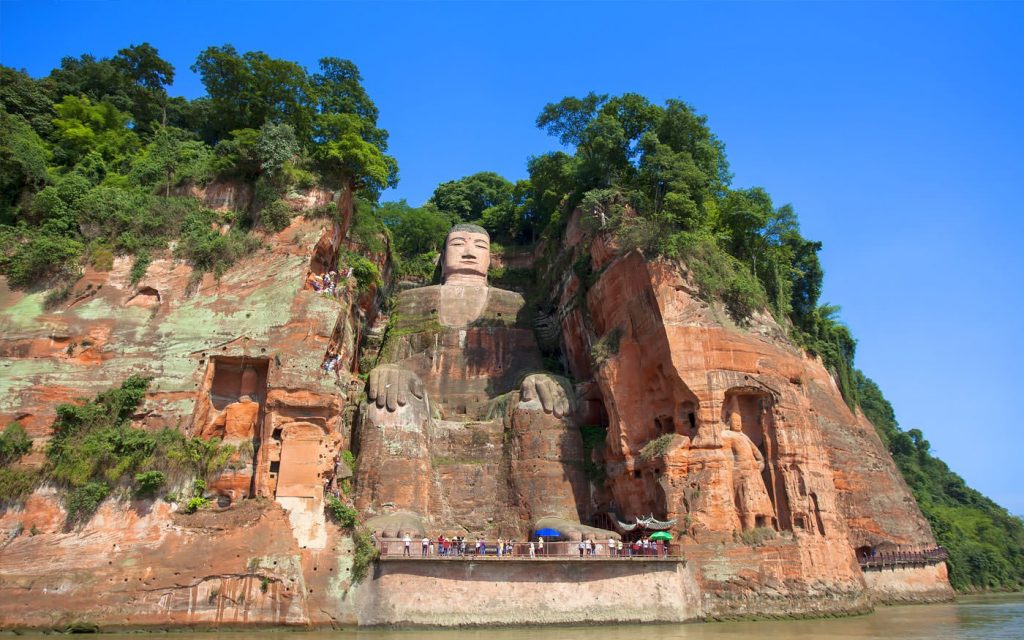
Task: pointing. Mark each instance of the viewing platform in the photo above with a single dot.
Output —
(394, 550)
(903, 558)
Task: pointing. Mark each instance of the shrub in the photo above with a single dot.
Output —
(83, 502)
(276, 216)
(341, 513)
(657, 447)
(139, 267)
(17, 484)
(606, 347)
(365, 272)
(196, 503)
(14, 443)
(207, 249)
(365, 555)
(102, 259)
(149, 482)
(38, 256)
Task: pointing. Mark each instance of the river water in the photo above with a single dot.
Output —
(995, 617)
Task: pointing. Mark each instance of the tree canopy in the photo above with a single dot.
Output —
(92, 155)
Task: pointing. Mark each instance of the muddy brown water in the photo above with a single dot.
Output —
(992, 617)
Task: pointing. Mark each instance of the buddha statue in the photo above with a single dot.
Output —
(461, 431)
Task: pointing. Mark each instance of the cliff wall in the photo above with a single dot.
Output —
(687, 400)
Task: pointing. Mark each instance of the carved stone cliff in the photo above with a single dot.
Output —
(737, 439)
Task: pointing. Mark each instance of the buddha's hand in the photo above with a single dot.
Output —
(393, 387)
(552, 391)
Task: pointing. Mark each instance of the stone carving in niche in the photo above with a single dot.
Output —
(460, 364)
(744, 413)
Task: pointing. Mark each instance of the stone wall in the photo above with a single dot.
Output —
(514, 592)
(909, 584)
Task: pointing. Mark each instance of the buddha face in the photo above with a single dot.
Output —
(466, 253)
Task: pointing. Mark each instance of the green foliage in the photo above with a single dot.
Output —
(657, 447)
(149, 482)
(349, 459)
(985, 542)
(174, 156)
(83, 501)
(275, 145)
(32, 256)
(341, 513)
(82, 127)
(16, 484)
(365, 555)
(719, 275)
(606, 347)
(367, 226)
(276, 216)
(207, 248)
(195, 503)
(366, 273)
(24, 156)
(139, 267)
(14, 443)
(264, 584)
(94, 449)
(85, 152)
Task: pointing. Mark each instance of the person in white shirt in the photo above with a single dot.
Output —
(425, 543)
(407, 551)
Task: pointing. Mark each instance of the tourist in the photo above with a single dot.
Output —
(481, 546)
(533, 551)
(540, 544)
(425, 543)
(499, 548)
(582, 546)
(618, 548)
(589, 546)
(611, 547)
(407, 541)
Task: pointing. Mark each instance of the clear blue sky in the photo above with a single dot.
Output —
(895, 130)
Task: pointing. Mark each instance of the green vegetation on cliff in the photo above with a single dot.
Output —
(95, 452)
(92, 156)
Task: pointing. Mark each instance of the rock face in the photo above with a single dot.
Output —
(737, 440)
(733, 433)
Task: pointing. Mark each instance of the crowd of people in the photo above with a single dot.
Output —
(326, 284)
(459, 546)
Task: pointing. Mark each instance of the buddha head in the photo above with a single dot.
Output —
(466, 256)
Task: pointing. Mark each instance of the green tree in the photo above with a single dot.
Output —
(23, 96)
(276, 144)
(133, 81)
(82, 126)
(23, 160)
(353, 148)
(245, 91)
(172, 157)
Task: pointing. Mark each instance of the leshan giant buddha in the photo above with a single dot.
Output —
(461, 432)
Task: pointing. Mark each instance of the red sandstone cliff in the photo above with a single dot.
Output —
(652, 361)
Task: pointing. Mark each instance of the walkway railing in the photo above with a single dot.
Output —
(903, 558)
(395, 548)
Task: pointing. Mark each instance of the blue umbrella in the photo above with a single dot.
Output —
(548, 533)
